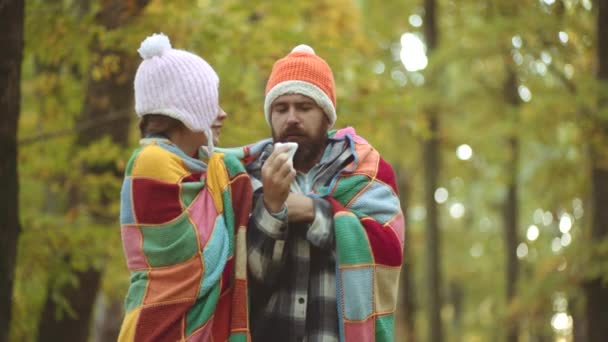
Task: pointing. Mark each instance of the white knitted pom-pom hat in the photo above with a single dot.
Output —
(176, 83)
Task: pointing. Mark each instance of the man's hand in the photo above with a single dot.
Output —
(300, 208)
(277, 175)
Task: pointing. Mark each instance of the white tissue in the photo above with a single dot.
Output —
(293, 146)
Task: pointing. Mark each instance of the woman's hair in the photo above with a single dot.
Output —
(158, 124)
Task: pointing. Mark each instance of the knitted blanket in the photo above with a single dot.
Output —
(183, 230)
(369, 231)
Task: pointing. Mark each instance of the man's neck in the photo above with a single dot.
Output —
(304, 168)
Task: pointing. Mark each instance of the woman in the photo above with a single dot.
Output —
(182, 219)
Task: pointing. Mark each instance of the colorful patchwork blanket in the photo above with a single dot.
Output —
(183, 230)
(369, 231)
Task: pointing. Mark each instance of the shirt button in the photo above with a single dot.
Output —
(301, 300)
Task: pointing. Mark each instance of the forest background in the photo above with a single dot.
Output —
(494, 114)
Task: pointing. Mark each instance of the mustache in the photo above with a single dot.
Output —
(291, 131)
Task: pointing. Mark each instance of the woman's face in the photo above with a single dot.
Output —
(216, 126)
(191, 140)
(197, 139)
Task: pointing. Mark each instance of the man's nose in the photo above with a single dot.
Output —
(292, 116)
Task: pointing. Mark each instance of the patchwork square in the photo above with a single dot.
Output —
(360, 331)
(349, 187)
(179, 282)
(228, 216)
(238, 337)
(239, 312)
(385, 327)
(233, 165)
(170, 244)
(221, 324)
(131, 162)
(189, 191)
(126, 203)
(240, 197)
(137, 290)
(202, 335)
(228, 275)
(398, 224)
(155, 202)
(161, 322)
(217, 181)
(368, 159)
(154, 161)
(357, 283)
(202, 311)
(380, 200)
(384, 244)
(386, 174)
(386, 286)
(131, 243)
(351, 242)
(127, 332)
(215, 255)
(203, 214)
(241, 253)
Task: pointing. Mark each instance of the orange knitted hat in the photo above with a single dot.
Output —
(302, 72)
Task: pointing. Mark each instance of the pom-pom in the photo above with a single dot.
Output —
(154, 45)
(304, 48)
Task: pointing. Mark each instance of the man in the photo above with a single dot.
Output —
(325, 238)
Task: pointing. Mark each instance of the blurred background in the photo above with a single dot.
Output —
(493, 113)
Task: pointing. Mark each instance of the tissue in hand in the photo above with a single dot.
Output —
(292, 148)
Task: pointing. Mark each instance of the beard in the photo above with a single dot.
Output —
(308, 152)
(310, 146)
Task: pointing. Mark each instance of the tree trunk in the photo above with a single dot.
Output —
(11, 55)
(579, 324)
(430, 152)
(457, 299)
(510, 207)
(596, 291)
(408, 307)
(108, 104)
(117, 94)
(108, 318)
(63, 327)
(433, 246)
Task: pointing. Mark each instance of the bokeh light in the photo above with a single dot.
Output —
(413, 52)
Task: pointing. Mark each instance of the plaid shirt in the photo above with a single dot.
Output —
(292, 266)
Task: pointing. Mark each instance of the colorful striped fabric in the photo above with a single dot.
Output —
(369, 231)
(183, 229)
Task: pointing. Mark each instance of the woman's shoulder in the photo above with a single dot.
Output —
(234, 165)
(154, 161)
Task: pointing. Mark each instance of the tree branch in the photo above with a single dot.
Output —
(69, 131)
